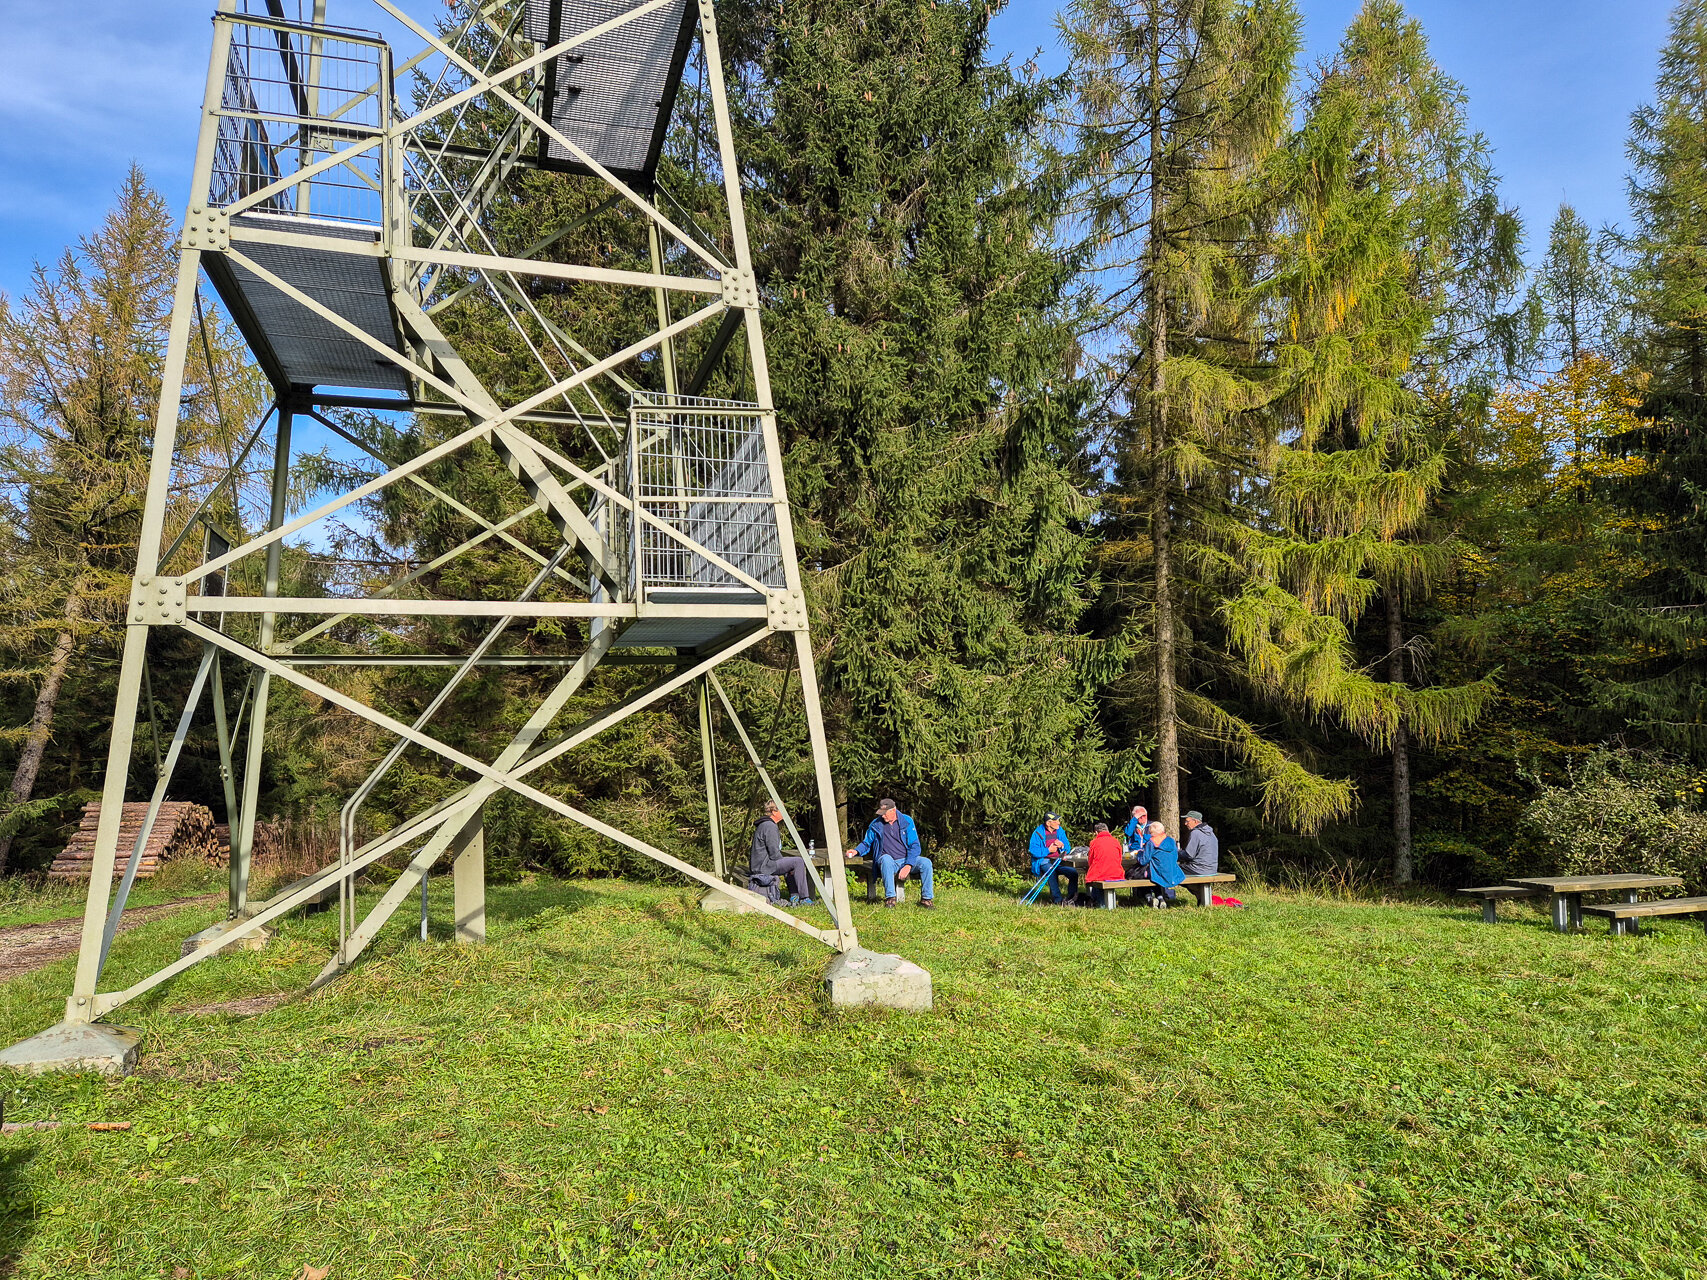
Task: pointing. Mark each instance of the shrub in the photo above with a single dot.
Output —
(1621, 811)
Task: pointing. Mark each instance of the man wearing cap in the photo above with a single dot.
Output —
(892, 841)
(1050, 844)
(1202, 853)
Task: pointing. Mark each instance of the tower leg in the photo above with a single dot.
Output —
(244, 845)
(77, 1008)
(468, 877)
(713, 792)
(834, 837)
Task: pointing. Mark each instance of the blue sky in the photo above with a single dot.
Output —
(85, 90)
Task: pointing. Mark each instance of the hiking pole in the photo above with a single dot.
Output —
(1031, 894)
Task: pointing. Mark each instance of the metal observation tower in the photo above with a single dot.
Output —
(341, 209)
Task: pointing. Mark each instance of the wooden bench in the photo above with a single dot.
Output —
(1626, 917)
(1200, 887)
(1490, 894)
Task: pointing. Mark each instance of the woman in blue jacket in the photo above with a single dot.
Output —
(1158, 859)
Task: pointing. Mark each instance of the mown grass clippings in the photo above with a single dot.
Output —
(624, 1086)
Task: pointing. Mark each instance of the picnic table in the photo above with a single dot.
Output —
(865, 868)
(1568, 892)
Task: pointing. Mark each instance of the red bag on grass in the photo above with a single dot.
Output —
(1219, 901)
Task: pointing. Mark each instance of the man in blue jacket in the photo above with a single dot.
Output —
(893, 841)
(1049, 844)
(1136, 827)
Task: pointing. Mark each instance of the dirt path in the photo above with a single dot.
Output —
(26, 947)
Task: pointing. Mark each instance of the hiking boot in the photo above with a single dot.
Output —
(889, 902)
(928, 903)
(794, 900)
(803, 902)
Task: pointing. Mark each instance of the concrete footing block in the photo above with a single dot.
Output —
(860, 977)
(216, 938)
(75, 1046)
(729, 898)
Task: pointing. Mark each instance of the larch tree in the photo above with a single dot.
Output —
(1182, 108)
(80, 362)
(1389, 200)
(1574, 293)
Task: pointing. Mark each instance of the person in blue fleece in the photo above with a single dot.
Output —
(1136, 827)
(1049, 844)
(892, 841)
(1159, 859)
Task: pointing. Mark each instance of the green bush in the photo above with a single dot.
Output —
(1622, 811)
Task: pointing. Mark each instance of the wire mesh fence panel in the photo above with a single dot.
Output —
(292, 99)
(699, 466)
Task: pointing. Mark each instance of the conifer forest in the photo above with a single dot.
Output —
(1198, 426)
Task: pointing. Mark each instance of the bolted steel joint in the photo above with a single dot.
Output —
(787, 610)
(158, 602)
(207, 229)
(740, 289)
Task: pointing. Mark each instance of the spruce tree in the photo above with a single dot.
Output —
(923, 350)
(1662, 611)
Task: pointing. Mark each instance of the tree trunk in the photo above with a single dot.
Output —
(41, 720)
(1403, 867)
(1167, 723)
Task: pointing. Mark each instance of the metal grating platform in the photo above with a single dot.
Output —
(612, 96)
(303, 347)
(700, 634)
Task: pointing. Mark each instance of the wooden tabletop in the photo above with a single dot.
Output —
(1589, 884)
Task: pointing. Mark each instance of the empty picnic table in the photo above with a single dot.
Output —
(1568, 892)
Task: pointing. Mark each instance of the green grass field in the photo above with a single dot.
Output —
(619, 1085)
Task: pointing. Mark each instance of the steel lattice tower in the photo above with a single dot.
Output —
(339, 209)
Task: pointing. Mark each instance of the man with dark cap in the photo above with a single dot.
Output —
(1202, 853)
(892, 841)
(1049, 845)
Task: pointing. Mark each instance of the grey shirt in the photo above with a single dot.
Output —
(1202, 853)
(767, 848)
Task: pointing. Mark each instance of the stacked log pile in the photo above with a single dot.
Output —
(182, 830)
(269, 842)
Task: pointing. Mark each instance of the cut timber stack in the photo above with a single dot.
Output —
(182, 830)
(269, 842)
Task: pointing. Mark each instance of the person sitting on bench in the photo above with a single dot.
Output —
(1136, 826)
(766, 864)
(1202, 853)
(1158, 859)
(1105, 854)
(1049, 844)
(892, 841)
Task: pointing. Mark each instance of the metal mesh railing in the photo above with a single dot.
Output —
(700, 466)
(293, 97)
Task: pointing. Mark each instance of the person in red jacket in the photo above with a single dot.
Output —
(1105, 857)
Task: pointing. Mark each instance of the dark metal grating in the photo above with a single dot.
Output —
(612, 96)
(308, 350)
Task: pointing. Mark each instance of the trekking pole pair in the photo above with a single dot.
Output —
(1031, 893)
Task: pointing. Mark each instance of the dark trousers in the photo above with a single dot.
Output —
(1071, 875)
(795, 869)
